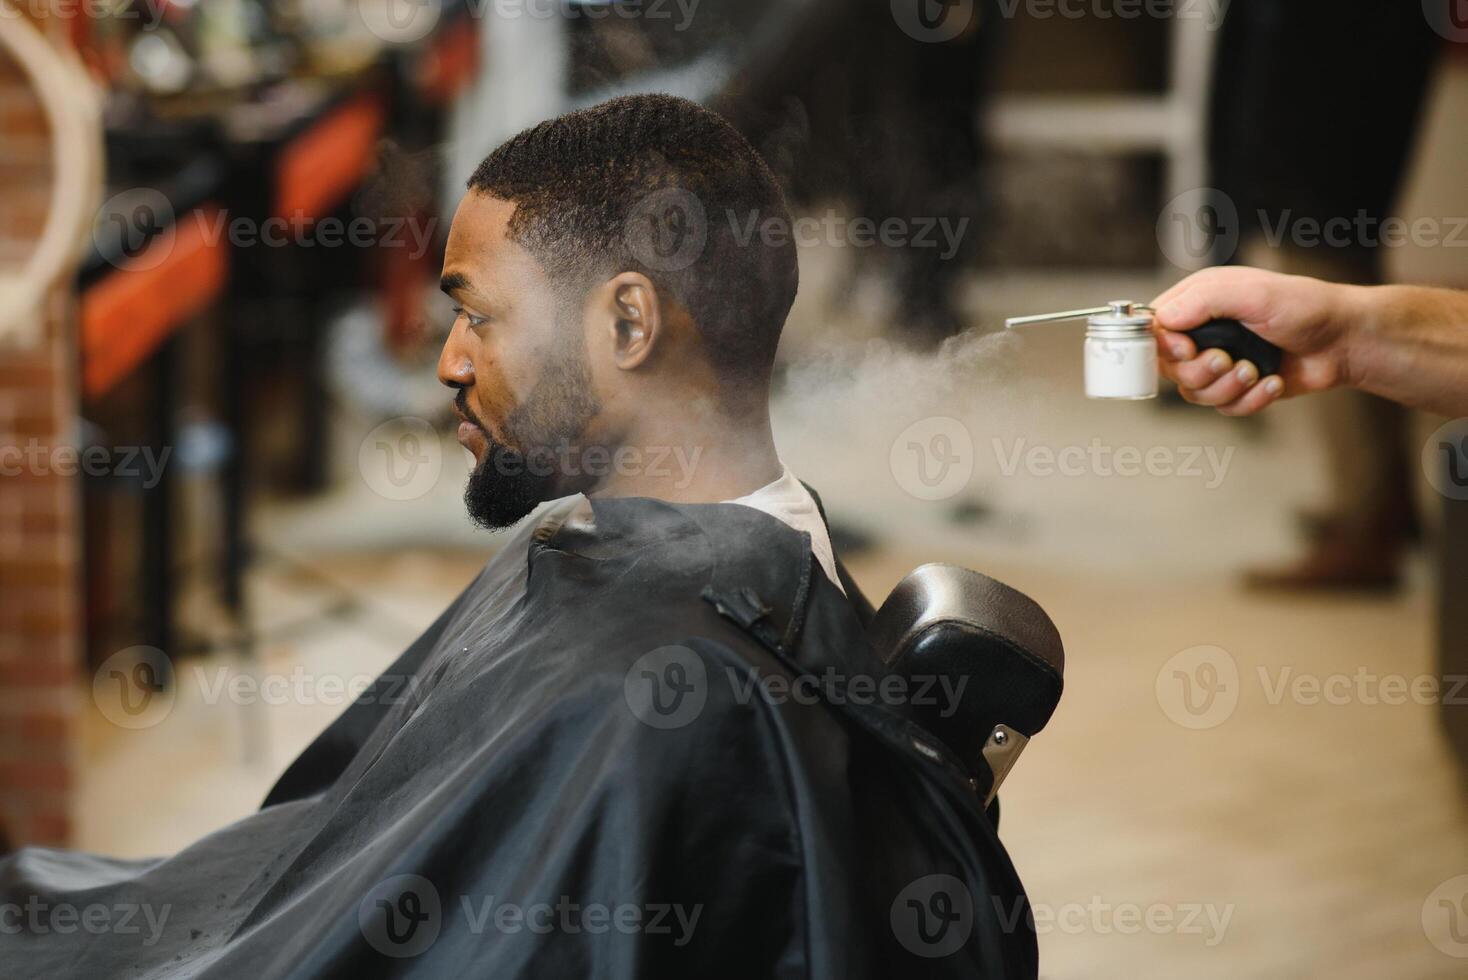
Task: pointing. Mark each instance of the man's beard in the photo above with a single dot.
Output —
(516, 476)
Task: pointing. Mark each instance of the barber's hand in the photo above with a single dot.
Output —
(1310, 320)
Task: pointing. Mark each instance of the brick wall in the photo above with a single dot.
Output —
(40, 673)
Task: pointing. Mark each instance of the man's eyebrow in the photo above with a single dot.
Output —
(452, 281)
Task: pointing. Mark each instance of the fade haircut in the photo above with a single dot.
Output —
(631, 185)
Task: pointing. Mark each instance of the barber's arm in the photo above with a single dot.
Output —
(1405, 343)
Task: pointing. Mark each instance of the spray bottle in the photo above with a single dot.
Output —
(1121, 349)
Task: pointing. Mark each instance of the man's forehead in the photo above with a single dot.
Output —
(480, 226)
(479, 248)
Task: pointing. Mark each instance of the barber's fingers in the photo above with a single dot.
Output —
(1207, 301)
(1175, 346)
(1226, 389)
(1199, 372)
(1233, 292)
(1257, 398)
(1212, 378)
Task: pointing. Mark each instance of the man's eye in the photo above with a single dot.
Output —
(474, 321)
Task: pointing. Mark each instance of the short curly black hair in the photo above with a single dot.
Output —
(663, 186)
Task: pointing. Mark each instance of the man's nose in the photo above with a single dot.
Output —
(455, 366)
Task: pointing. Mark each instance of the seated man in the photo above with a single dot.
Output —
(624, 750)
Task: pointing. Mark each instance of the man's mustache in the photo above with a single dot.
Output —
(461, 402)
(497, 447)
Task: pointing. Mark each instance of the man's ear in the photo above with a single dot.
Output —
(636, 318)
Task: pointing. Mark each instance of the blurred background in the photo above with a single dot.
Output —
(230, 493)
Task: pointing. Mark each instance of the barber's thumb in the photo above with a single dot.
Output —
(1182, 313)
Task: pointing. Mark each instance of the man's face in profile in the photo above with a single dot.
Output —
(517, 356)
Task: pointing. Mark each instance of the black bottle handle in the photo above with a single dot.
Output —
(1239, 342)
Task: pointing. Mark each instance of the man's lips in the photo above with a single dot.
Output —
(470, 431)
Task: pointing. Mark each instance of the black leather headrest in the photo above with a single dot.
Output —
(991, 643)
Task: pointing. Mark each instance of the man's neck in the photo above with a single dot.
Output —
(684, 464)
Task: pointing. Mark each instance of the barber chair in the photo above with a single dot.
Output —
(992, 643)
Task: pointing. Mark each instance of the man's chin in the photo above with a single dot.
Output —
(501, 492)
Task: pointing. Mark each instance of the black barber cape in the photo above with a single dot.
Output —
(596, 763)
